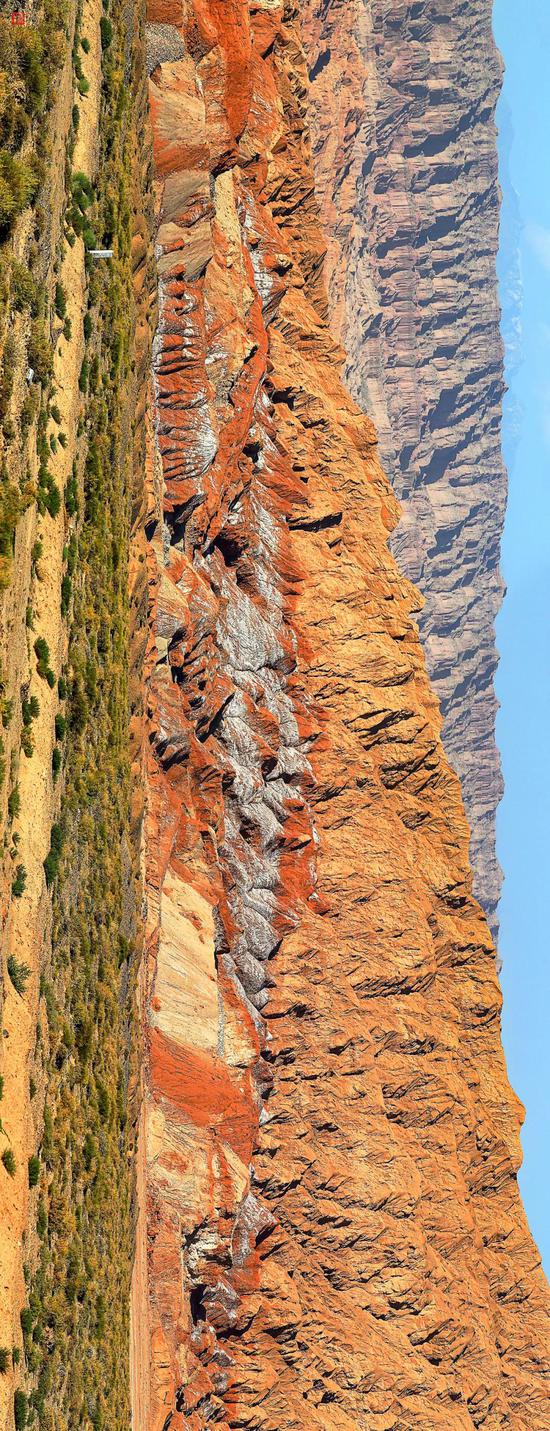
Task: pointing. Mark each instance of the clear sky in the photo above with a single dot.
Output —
(522, 30)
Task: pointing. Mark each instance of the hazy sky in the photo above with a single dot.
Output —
(522, 30)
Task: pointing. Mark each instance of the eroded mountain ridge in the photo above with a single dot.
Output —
(401, 105)
(330, 1228)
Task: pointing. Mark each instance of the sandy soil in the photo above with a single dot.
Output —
(28, 922)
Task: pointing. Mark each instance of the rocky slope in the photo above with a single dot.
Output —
(330, 1232)
(402, 102)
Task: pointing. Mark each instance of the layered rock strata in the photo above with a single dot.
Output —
(330, 1232)
(402, 101)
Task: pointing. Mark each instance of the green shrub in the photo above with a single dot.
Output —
(55, 414)
(51, 862)
(60, 300)
(71, 496)
(87, 327)
(42, 653)
(25, 291)
(26, 1319)
(18, 884)
(19, 974)
(83, 379)
(9, 1162)
(19, 180)
(27, 743)
(6, 374)
(62, 688)
(60, 727)
(82, 189)
(85, 44)
(4, 1360)
(40, 352)
(34, 1171)
(66, 589)
(14, 803)
(53, 500)
(56, 761)
(106, 32)
(20, 1409)
(30, 710)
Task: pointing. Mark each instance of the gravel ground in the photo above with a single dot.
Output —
(164, 45)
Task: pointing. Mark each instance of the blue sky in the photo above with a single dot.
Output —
(522, 32)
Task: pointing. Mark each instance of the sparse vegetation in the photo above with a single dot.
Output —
(76, 1330)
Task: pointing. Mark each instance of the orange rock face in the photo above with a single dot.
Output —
(330, 1232)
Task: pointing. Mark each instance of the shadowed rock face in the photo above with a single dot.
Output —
(402, 102)
(330, 1232)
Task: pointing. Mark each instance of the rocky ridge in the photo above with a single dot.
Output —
(330, 1232)
(401, 103)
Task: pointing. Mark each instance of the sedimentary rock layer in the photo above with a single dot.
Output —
(402, 100)
(330, 1233)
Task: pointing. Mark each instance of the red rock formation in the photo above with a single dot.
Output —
(401, 106)
(330, 1232)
